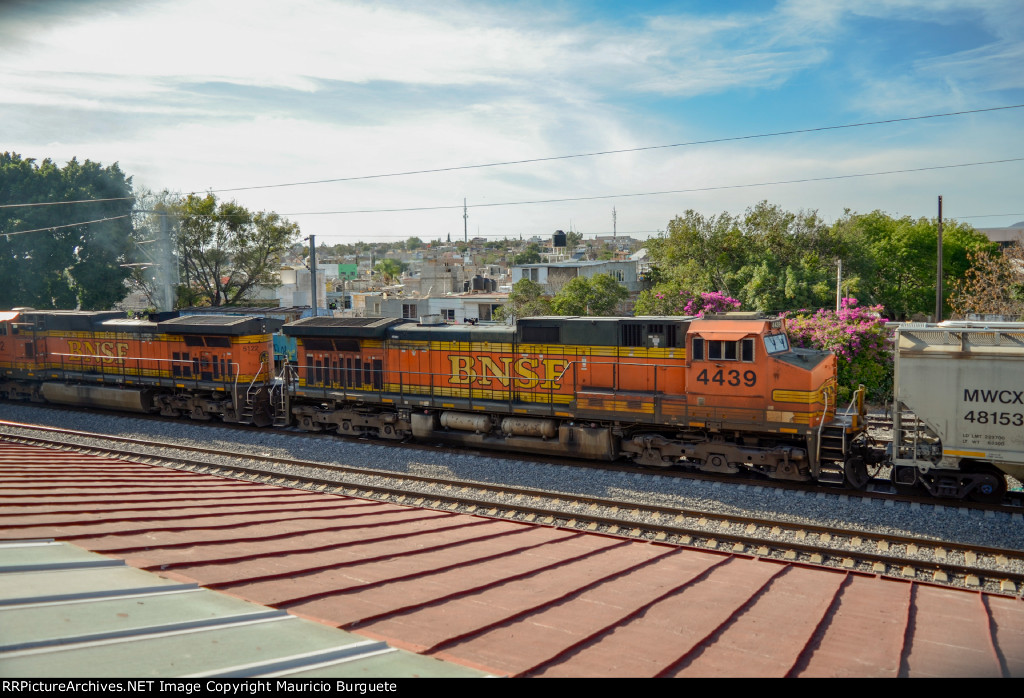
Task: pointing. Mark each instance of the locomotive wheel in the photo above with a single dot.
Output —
(718, 463)
(856, 472)
(652, 458)
(263, 416)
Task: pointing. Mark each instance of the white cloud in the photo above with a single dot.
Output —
(262, 43)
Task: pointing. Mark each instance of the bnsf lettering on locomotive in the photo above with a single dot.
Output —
(485, 371)
(1006, 397)
(108, 352)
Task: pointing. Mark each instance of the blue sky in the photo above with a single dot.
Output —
(193, 95)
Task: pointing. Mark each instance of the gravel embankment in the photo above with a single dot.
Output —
(949, 523)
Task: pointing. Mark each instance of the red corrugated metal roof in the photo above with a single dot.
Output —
(508, 597)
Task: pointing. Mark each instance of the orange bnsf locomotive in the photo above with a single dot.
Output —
(202, 366)
(724, 392)
(718, 393)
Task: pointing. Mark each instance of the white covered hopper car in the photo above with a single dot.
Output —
(958, 409)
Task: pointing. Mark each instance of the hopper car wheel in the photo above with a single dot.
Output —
(992, 487)
(856, 471)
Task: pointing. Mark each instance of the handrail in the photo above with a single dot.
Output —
(821, 426)
(255, 378)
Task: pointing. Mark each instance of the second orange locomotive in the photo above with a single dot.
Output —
(724, 392)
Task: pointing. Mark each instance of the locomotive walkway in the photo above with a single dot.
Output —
(506, 597)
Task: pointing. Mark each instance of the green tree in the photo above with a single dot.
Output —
(413, 243)
(531, 255)
(902, 259)
(596, 296)
(389, 270)
(770, 259)
(227, 252)
(697, 253)
(790, 259)
(75, 260)
(526, 300)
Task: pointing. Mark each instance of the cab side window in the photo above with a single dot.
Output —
(722, 350)
(747, 349)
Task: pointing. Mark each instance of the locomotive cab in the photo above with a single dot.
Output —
(750, 401)
(743, 370)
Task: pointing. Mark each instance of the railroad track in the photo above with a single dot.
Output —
(993, 570)
(879, 487)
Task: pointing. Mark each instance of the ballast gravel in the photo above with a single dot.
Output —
(950, 523)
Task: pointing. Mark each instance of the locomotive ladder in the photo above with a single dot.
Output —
(279, 393)
(279, 402)
(246, 409)
(832, 450)
(277, 398)
(833, 441)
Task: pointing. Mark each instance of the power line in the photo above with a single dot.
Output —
(554, 157)
(655, 193)
(69, 225)
(61, 203)
(992, 215)
(493, 236)
(602, 196)
(615, 152)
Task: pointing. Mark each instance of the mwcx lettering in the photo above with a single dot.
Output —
(1005, 397)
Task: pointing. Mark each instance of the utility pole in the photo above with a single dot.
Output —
(465, 221)
(938, 281)
(164, 268)
(312, 270)
(839, 285)
(615, 229)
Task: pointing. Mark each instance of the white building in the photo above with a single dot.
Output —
(552, 277)
(295, 288)
(454, 308)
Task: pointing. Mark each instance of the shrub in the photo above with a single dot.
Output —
(859, 339)
(667, 302)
